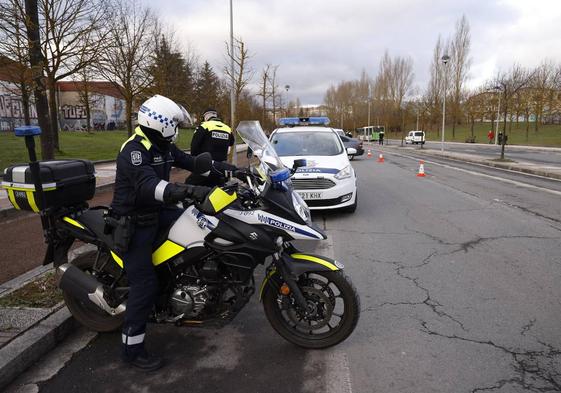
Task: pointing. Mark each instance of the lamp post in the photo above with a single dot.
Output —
(232, 94)
(445, 60)
(498, 90)
(369, 102)
(287, 87)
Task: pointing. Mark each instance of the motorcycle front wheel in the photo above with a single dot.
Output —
(331, 316)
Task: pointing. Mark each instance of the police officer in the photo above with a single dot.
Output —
(214, 137)
(142, 191)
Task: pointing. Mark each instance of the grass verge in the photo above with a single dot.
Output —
(96, 145)
(41, 293)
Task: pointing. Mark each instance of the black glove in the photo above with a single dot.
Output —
(177, 192)
(223, 168)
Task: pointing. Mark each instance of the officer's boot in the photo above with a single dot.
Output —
(134, 353)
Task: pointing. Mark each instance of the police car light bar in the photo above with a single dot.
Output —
(304, 121)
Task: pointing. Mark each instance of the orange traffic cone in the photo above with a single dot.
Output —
(421, 169)
(381, 158)
(369, 154)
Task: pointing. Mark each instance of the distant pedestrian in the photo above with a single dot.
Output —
(491, 136)
(381, 138)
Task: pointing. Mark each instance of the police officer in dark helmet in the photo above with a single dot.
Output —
(144, 195)
(214, 137)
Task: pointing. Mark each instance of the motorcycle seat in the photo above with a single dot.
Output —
(94, 221)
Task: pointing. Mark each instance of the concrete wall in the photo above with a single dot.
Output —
(107, 112)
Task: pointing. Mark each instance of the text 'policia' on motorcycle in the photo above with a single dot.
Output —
(202, 258)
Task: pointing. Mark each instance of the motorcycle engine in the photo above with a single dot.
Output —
(189, 300)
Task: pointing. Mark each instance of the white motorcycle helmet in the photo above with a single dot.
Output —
(164, 116)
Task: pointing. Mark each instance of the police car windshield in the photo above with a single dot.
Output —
(307, 143)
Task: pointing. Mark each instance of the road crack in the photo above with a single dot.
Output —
(428, 301)
(536, 370)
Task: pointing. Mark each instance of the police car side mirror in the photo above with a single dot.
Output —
(299, 163)
(203, 163)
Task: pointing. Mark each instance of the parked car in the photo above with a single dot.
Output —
(355, 144)
(328, 181)
(415, 137)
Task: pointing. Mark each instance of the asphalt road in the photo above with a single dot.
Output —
(520, 154)
(459, 280)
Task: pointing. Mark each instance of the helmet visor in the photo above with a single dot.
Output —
(185, 119)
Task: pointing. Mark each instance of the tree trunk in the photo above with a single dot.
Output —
(36, 62)
(25, 103)
(454, 126)
(472, 125)
(53, 114)
(88, 109)
(128, 106)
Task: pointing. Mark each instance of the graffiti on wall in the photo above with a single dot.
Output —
(11, 112)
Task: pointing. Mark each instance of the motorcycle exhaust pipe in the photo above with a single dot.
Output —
(85, 288)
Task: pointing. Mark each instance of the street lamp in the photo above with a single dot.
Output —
(287, 87)
(369, 102)
(232, 94)
(498, 90)
(445, 60)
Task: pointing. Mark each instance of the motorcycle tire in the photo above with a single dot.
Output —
(88, 314)
(281, 320)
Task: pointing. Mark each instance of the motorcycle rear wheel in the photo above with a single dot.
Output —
(336, 306)
(87, 313)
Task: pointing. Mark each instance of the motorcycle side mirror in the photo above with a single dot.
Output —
(203, 163)
(249, 153)
(298, 164)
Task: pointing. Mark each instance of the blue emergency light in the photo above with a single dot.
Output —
(304, 121)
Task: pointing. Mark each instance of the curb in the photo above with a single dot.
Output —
(26, 349)
(500, 165)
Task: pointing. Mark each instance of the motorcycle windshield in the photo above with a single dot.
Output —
(252, 134)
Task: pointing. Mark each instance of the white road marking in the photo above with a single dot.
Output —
(509, 181)
(337, 376)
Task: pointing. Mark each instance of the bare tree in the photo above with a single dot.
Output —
(127, 61)
(460, 63)
(264, 91)
(274, 91)
(14, 50)
(542, 85)
(239, 77)
(510, 84)
(74, 37)
(436, 83)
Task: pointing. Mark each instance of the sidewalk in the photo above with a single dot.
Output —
(519, 166)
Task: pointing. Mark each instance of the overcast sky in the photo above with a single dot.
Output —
(318, 43)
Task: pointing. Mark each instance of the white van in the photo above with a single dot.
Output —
(415, 137)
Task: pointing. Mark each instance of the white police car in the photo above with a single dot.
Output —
(328, 180)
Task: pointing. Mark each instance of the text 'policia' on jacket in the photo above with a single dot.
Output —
(214, 137)
(143, 172)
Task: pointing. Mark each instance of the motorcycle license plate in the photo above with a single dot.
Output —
(311, 195)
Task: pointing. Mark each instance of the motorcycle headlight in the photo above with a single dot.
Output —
(301, 207)
(344, 173)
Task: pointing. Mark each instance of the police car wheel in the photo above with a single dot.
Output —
(85, 312)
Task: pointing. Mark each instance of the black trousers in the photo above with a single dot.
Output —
(142, 280)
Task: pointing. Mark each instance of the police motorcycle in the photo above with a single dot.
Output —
(205, 261)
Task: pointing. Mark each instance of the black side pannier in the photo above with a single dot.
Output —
(65, 183)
